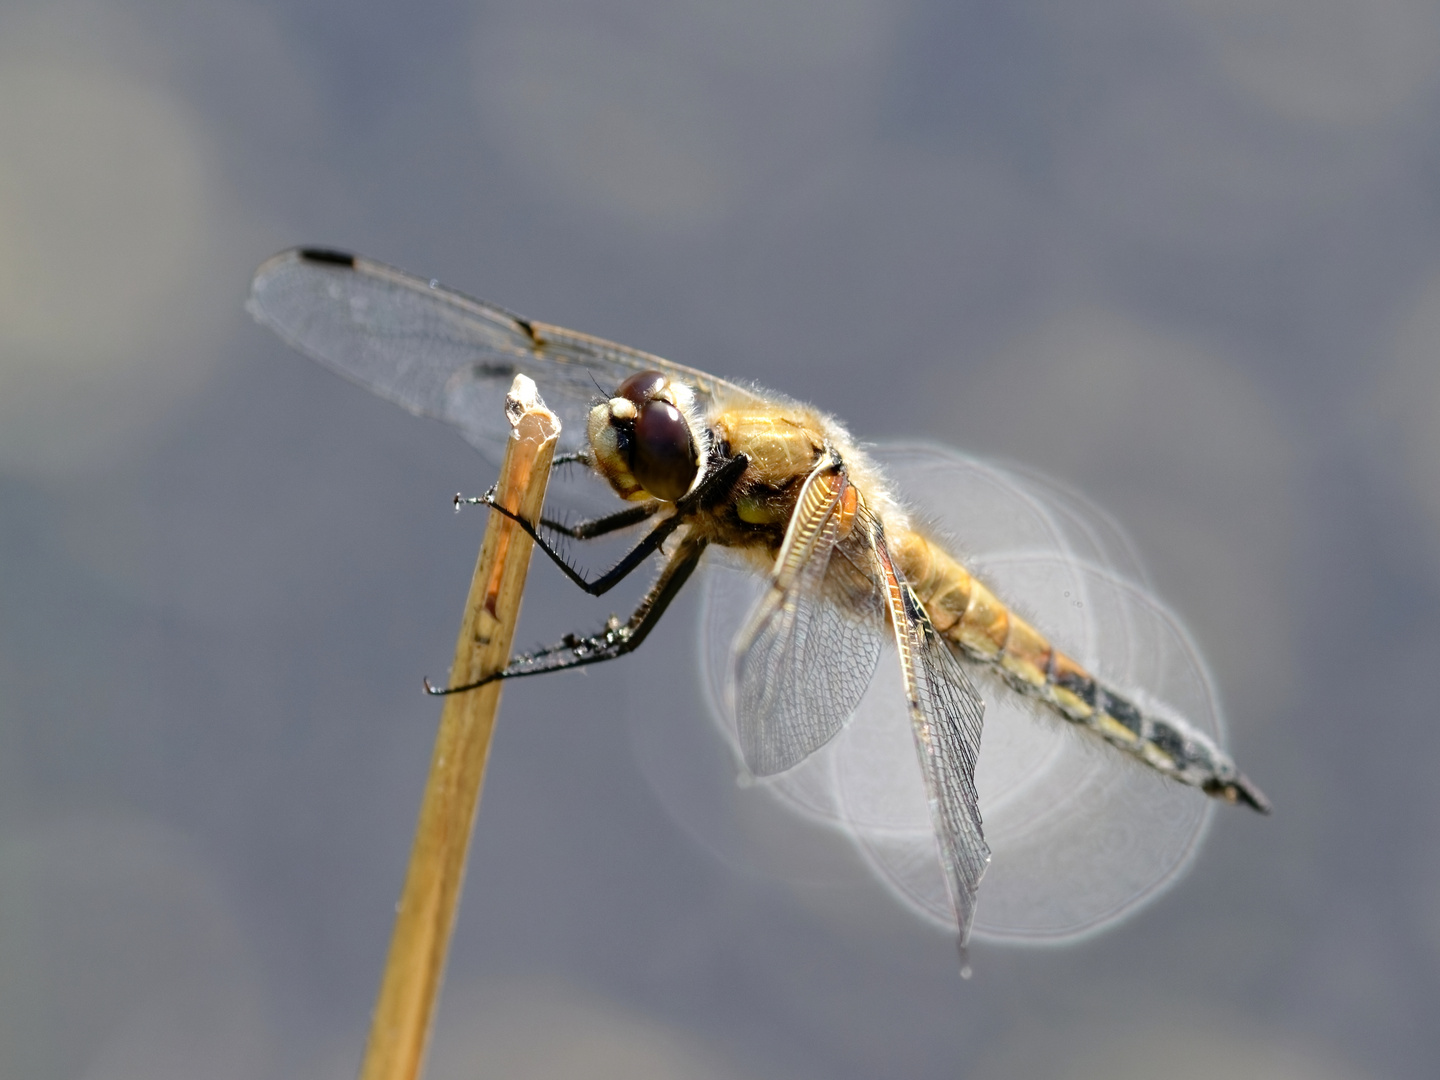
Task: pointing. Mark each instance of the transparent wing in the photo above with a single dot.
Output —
(1081, 836)
(985, 507)
(809, 649)
(441, 354)
(946, 716)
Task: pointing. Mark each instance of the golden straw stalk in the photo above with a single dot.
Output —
(400, 1027)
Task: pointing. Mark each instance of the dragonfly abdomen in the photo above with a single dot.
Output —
(982, 628)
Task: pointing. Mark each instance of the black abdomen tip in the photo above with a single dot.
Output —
(1251, 795)
(330, 258)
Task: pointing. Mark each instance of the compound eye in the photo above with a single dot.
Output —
(641, 386)
(663, 458)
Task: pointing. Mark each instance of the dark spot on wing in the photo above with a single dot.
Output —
(328, 257)
(524, 324)
(485, 370)
(1120, 709)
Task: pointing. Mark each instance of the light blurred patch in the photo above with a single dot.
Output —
(660, 116)
(601, 120)
(107, 217)
(786, 35)
(1402, 680)
(534, 1029)
(1425, 886)
(120, 957)
(1324, 61)
(888, 248)
(1167, 163)
(1402, 416)
(1179, 445)
(1145, 1047)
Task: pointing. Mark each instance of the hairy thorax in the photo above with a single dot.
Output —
(783, 447)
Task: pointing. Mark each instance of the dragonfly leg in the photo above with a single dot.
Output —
(580, 530)
(718, 481)
(612, 642)
(603, 526)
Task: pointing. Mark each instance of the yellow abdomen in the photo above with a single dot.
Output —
(975, 620)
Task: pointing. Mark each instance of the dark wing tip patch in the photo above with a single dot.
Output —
(328, 257)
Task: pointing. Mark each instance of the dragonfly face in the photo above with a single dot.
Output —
(643, 438)
(847, 574)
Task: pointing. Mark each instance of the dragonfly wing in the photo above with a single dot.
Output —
(810, 646)
(988, 508)
(1081, 836)
(946, 716)
(441, 354)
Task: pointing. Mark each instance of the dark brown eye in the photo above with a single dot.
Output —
(663, 458)
(641, 386)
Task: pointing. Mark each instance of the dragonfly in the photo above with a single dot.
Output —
(849, 566)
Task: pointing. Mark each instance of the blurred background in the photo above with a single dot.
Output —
(1184, 254)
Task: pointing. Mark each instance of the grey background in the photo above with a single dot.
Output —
(1180, 253)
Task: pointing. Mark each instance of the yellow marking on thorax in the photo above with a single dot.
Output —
(781, 447)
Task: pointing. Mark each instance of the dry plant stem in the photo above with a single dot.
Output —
(400, 1026)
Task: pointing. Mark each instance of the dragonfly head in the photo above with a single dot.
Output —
(644, 439)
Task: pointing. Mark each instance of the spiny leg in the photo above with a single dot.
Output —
(603, 526)
(718, 481)
(581, 530)
(610, 643)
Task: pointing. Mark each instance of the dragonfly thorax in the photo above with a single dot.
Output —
(643, 440)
